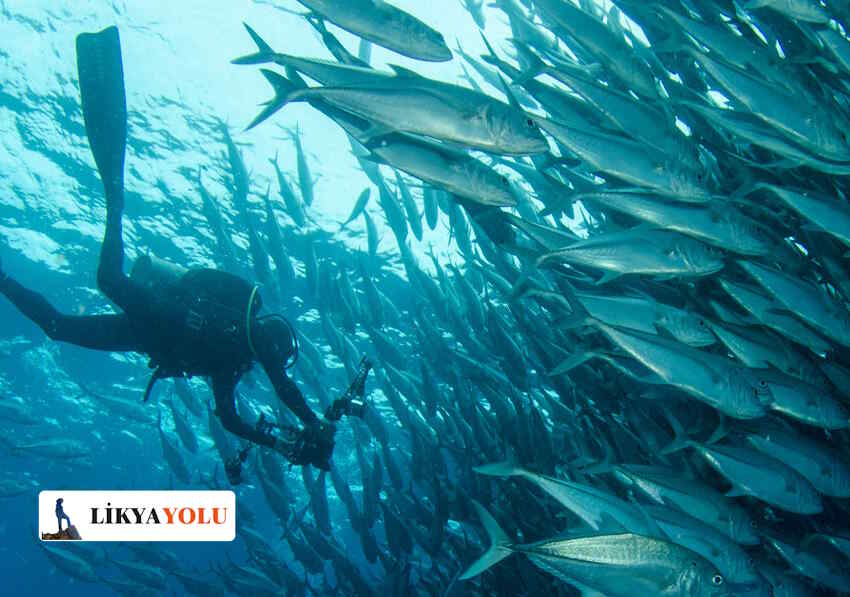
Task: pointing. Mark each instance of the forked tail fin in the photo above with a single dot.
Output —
(283, 88)
(500, 545)
(264, 52)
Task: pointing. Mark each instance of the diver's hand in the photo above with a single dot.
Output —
(316, 446)
(233, 470)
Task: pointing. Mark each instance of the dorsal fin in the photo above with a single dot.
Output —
(512, 100)
(404, 72)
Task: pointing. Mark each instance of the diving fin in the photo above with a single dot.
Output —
(156, 376)
(101, 76)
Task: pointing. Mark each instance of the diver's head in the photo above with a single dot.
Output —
(272, 337)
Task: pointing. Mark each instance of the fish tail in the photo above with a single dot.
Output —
(603, 467)
(536, 66)
(500, 545)
(283, 89)
(264, 52)
(574, 321)
(571, 363)
(295, 78)
(523, 285)
(719, 433)
(680, 438)
(273, 161)
(491, 56)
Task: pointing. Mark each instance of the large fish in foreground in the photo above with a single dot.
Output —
(488, 124)
(404, 101)
(623, 564)
(438, 164)
(640, 251)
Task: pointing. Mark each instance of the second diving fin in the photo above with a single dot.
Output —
(101, 76)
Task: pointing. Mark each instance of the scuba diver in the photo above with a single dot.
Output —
(60, 514)
(200, 322)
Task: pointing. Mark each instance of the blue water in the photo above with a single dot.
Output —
(180, 85)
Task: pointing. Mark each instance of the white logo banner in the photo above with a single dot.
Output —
(137, 515)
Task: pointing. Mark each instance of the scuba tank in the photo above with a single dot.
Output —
(156, 274)
(214, 307)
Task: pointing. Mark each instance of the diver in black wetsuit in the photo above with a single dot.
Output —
(190, 322)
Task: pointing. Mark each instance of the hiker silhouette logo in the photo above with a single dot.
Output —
(69, 533)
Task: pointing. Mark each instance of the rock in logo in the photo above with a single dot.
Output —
(68, 533)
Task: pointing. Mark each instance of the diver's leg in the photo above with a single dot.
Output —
(111, 279)
(99, 332)
(101, 77)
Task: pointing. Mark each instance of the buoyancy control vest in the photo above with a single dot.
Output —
(206, 314)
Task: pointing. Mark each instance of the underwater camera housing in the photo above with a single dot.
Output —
(352, 403)
(356, 408)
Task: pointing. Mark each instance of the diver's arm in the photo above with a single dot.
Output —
(225, 407)
(289, 392)
(99, 332)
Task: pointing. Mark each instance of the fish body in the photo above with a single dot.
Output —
(488, 125)
(305, 178)
(731, 388)
(642, 251)
(15, 411)
(809, 11)
(692, 497)
(294, 207)
(385, 25)
(649, 316)
(613, 564)
(618, 57)
(807, 124)
(721, 225)
(808, 302)
(814, 460)
(752, 473)
(772, 314)
(631, 161)
(55, 449)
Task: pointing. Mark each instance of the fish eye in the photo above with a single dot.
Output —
(504, 180)
(762, 383)
(701, 323)
(717, 580)
(753, 524)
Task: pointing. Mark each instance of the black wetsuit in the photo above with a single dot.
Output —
(154, 325)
